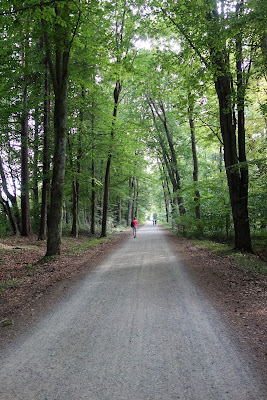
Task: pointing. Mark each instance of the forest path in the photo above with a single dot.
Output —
(135, 329)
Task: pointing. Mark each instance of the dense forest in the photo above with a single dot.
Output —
(116, 108)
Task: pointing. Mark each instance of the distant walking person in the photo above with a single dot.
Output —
(134, 227)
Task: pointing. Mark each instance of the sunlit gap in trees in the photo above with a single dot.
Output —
(160, 44)
(151, 164)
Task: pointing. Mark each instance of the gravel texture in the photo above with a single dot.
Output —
(137, 328)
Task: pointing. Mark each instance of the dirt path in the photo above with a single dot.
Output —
(135, 328)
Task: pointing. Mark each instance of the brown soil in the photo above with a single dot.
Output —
(239, 295)
(39, 285)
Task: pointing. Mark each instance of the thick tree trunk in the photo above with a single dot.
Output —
(54, 222)
(117, 91)
(63, 37)
(237, 175)
(25, 201)
(237, 181)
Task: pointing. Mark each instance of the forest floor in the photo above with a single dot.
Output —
(28, 289)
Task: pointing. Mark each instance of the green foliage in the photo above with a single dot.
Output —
(7, 322)
(248, 262)
(5, 229)
(87, 244)
(104, 48)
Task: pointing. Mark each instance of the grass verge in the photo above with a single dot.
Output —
(246, 261)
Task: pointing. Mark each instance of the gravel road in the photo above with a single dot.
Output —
(135, 329)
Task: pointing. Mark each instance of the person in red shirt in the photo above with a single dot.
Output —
(134, 227)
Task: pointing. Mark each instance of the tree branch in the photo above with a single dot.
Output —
(32, 7)
(186, 36)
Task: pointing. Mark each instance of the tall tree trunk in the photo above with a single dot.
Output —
(100, 197)
(76, 182)
(93, 197)
(66, 212)
(74, 208)
(237, 181)
(54, 221)
(237, 175)
(35, 160)
(130, 201)
(35, 178)
(135, 214)
(59, 69)
(166, 200)
(74, 229)
(218, 62)
(116, 94)
(46, 161)
(174, 164)
(165, 176)
(194, 155)
(169, 159)
(25, 201)
(119, 210)
(134, 199)
(93, 186)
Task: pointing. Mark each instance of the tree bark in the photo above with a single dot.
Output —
(194, 155)
(119, 210)
(167, 196)
(93, 197)
(130, 201)
(174, 165)
(8, 212)
(116, 95)
(12, 198)
(76, 182)
(54, 222)
(237, 174)
(166, 200)
(25, 201)
(136, 195)
(237, 181)
(219, 64)
(35, 161)
(46, 161)
(61, 43)
(169, 159)
(93, 185)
